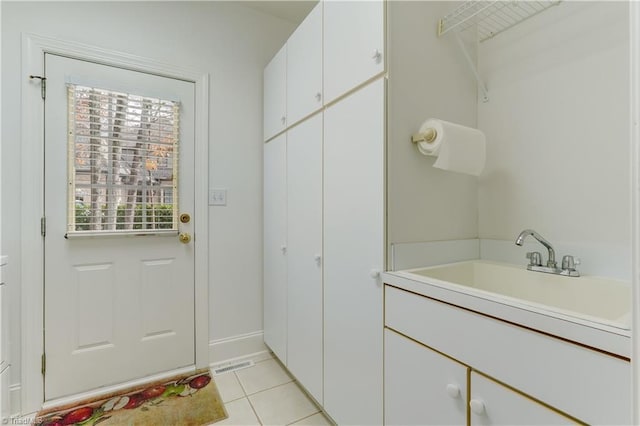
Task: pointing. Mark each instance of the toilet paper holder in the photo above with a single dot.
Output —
(428, 136)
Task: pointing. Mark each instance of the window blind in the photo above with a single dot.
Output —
(123, 162)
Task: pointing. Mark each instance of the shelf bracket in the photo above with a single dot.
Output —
(484, 93)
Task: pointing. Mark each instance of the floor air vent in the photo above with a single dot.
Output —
(233, 367)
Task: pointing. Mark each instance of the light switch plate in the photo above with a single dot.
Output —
(217, 197)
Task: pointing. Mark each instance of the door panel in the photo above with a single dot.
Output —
(94, 321)
(117, 307)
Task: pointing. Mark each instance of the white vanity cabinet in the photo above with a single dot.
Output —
(304, 67)
(422, 386)
(275, 95)
(533, 371)
(304, 254)
(275, 246)
(354, 45)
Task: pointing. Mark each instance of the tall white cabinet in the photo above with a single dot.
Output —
(275, 95)
(353, 44)
(304, 260)
(304, 68)
(323, 310)
(354, 255)
(275, 246)
(4, 345)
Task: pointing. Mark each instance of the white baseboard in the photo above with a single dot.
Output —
(239, 346)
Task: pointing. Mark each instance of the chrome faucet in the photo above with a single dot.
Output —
(551, 261)
(535, 258)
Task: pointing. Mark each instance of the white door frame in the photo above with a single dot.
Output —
(32, 261)
(634, 23)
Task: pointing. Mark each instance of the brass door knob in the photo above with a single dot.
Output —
(184, 237)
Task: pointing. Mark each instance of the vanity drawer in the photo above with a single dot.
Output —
(589, 385)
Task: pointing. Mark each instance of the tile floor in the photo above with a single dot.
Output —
(265, 394)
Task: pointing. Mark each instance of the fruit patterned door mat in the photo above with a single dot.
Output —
(191, 400)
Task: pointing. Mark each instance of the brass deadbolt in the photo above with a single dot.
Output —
(185, 218)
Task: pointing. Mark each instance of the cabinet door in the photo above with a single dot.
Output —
(275, 94)
(275, 246)
(3, 327)
(353, 255)
(494, 404)
(304, 67)
(4, 396)
(422, 387)
(353, 35)
(304, 258)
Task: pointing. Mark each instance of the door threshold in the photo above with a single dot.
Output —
(97, 393)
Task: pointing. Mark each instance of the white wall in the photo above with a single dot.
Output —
(427, 78)
(557, 127)
(229, 41)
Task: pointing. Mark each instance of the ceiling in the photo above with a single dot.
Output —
(290, 10)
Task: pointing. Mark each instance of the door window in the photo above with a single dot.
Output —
(123, 162)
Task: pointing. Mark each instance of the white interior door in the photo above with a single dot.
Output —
(119, 283)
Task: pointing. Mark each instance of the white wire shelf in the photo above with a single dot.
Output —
(491, 17)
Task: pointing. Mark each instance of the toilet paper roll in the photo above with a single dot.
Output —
(458, 148)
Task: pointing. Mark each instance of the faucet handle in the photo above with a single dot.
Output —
(569, 263)
(535, 258)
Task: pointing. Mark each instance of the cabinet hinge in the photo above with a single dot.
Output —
(44, 363)
(43, 85)
(43, 226)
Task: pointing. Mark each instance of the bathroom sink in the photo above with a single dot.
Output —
(600, 300)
